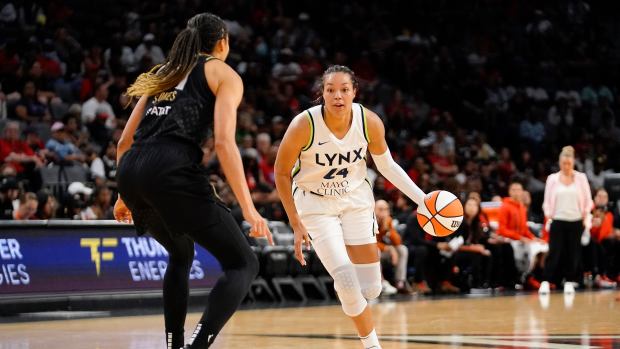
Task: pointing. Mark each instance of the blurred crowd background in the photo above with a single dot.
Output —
(474, 94)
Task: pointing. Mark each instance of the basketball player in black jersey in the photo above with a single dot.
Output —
(164, 188)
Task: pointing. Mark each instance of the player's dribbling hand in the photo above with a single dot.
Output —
(301, 237)
(121, 212)
(258, 225)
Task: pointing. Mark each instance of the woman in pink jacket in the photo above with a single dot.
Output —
(567, 204)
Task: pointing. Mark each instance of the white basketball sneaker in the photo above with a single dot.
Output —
(569, 288)
(387, 289)
(544, 288)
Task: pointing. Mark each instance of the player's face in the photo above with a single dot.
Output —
(338, 92)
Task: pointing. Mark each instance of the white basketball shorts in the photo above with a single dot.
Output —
(350, 217)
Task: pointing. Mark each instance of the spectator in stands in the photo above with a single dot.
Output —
(33, 140)
(93, 63)
(567, 204)
(402, 208)
(17, 154)
(286, 70)
(76, 200)
(101, 205)
(9, 192)
(443, 165)
(482, 148)
(29, 109)
(148, 53)
(27, 208)
(600, 253)
(513, 225)
(48, 205)
(266, 167)
(393, 252)
(119, 56)
(61, 150)
(472, 255)
(427, 260)
(445, 143)
(109, 161)
(68, 48)
(596, 169)
(98, 104)
(532, 131)
(15, 151)
(99, 132)
(73, 128)
(506, 168)
(263, 144)
(96, 166)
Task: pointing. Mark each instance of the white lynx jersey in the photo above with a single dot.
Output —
(329, 166)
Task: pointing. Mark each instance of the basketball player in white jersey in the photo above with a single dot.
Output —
(327, 197)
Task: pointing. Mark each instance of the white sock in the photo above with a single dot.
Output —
(371, 341)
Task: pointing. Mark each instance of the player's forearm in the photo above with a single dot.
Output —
(397, 176)
(126, 139)
(283, 185)
(123, 145)
(230, 160)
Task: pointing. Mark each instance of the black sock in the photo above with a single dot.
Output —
(174, 340)
(201, 338)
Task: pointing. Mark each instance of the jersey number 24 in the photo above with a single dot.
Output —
(332, 173)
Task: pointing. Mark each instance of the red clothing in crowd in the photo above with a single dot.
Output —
(18, 147)
(513, 220)
(605, 229)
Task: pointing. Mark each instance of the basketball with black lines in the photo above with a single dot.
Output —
(441, 214)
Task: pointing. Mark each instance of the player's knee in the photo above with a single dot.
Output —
(252, 266)
(369, 276)
(348, 288)
(181, 256)
(371, 291)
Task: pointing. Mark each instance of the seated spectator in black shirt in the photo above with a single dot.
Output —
(430, 266)
(28, 108)
(402, 208)
(48, 205)
(9, 192)
(472, 256)
(99, 133)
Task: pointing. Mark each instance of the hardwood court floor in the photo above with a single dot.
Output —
(590, 320)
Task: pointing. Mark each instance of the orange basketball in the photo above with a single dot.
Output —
(441, 214)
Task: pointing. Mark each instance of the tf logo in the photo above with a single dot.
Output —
(95, 255)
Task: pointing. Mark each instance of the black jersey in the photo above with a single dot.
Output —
(183, 114)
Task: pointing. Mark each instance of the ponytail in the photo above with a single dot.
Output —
(181, 59)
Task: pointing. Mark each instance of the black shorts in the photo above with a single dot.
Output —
(165, 186)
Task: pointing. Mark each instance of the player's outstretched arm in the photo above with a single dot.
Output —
(228, 89)
(121, 212)
(295, 138)
(385, 164)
